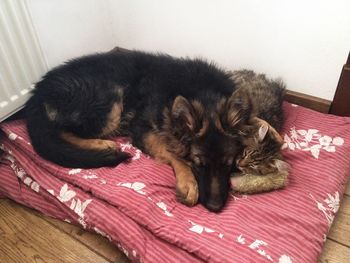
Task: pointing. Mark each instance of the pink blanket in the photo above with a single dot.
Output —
(134, 204)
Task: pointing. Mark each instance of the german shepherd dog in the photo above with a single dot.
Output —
(183, 112)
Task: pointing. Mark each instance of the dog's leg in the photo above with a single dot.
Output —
(111, 126)
(87, 153)
(113, 117)
(186, 184)
(89, 144)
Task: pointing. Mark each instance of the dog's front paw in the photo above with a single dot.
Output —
(187, 190)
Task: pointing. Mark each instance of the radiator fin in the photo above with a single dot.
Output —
(21, 60)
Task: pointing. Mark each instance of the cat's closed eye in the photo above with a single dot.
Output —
(245, 153)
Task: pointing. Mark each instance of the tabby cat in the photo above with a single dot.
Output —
(261, 164)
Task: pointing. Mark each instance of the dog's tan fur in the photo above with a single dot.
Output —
(186, 185)
(89, 144)
(113, 120)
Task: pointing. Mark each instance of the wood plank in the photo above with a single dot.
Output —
(308, 101)
(347, 189)
(94, 242)
(26, 237)
(334, 252)
(340, 230)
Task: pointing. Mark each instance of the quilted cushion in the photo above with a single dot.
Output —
(134, 204)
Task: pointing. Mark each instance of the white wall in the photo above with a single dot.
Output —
(70, 28)
(304, 42)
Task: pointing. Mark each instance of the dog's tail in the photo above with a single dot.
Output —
(68, 150)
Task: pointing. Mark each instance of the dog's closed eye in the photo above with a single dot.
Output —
(197, 160)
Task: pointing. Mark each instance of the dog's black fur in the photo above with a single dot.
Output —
(77, 97)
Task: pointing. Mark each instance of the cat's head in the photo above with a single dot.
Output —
(262, 149)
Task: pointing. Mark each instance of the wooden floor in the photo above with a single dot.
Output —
(27, 236)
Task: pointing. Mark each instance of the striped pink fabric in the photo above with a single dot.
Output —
(134, 204)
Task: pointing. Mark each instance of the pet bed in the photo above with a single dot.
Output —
(134, 204)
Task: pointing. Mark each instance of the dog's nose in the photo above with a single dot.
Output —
(215, 205)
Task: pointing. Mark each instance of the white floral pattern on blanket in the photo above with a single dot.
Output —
(76, 205)
(199, 229)
(285, 259)
(86, 174)
(136, 186)
(164, 207)
(74, 171)
(310, 140)
(329, 206)
(21, 174)
(257, 244)
(129, 146)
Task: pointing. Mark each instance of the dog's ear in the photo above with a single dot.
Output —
(182, 113)
(239, 108)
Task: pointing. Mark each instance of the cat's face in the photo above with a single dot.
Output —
(261, 154)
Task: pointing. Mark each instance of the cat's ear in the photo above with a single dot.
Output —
(278, 138)
(182, 113)
(263, 129)
(238, 108)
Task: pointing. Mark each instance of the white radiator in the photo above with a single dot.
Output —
(21, 60)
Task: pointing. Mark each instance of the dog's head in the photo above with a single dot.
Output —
(207, 137)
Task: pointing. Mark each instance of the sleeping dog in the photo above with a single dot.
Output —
(183, 112)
